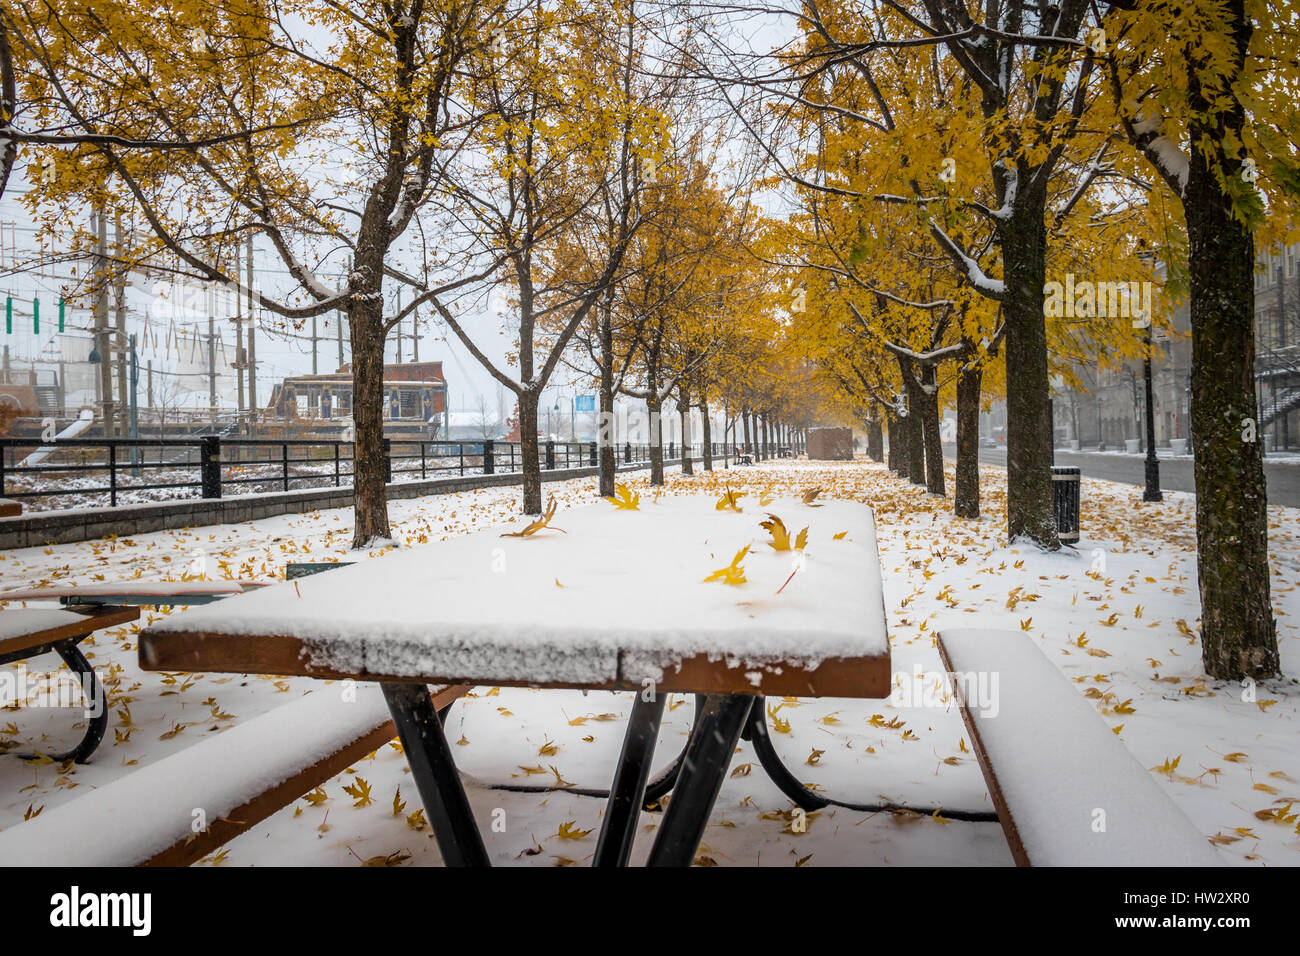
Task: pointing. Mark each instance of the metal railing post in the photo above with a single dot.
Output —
(284, 466)
(489, 462)
(388, 461)
(550, 455)
(591, 458)
(112, 476)
(210, 466)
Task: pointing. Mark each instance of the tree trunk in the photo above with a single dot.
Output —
(930, 422)
(912, 425)
(966, 495)
(370, 492)
(1023, 240)
(895, 442)
(1238, 633)
(684, 410)
(875, 439)
(529, 452)
(744, 417)
(656, 437)
(707, 437)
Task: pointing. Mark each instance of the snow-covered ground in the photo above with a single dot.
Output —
(1117, 616)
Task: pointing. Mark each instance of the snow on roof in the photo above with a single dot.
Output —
(616, 590)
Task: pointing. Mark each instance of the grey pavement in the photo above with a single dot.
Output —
(1175, 473)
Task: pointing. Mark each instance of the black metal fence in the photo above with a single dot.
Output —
(79, 472)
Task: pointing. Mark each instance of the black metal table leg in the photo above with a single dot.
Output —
(704, 767)
(435, 774)
(623, 808)
(756, 728)
(96, 703)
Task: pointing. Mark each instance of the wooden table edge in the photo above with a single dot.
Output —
(865, 677)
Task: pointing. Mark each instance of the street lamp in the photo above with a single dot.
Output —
(1152, 491)
(95, 359)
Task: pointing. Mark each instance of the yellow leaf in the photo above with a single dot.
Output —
(837, 537)
(734, 573)
(810, 495)
(624, 500)
(813, 757)
(536, 525)
(359, 791)
(779, 724)
(729, 501)
(569, 831)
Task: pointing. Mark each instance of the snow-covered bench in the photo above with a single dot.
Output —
(30, 632)
(1066, 789)
(228, 782)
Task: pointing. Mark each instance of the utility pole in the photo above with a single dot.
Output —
(149, 380)
(415, 335)
(338, 329)
(212, 360)
(241, 360)
(101, 322)
(313, 345)
(399, 327)
(119, 289)
(252, 339)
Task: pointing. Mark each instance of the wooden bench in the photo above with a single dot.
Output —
(29, 632)
(1066, 789)
(237, 779)
(744, 459)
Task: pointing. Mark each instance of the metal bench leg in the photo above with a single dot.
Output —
(756, 734)
(704, 767)
(435, 774)
(96, 703)
(623, 809)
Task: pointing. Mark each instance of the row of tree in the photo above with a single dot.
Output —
(940, 161)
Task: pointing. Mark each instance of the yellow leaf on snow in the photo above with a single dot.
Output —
(624, 500)
(781, 537)
(734, 573)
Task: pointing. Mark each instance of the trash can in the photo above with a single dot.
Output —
(1065, 501)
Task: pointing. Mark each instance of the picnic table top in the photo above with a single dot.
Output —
(615, 599)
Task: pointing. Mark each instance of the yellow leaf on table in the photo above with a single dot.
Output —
(781, 537)
(734, 573)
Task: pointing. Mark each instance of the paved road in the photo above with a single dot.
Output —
(1175, 473)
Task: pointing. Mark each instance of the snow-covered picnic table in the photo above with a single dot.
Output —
(683, 594)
